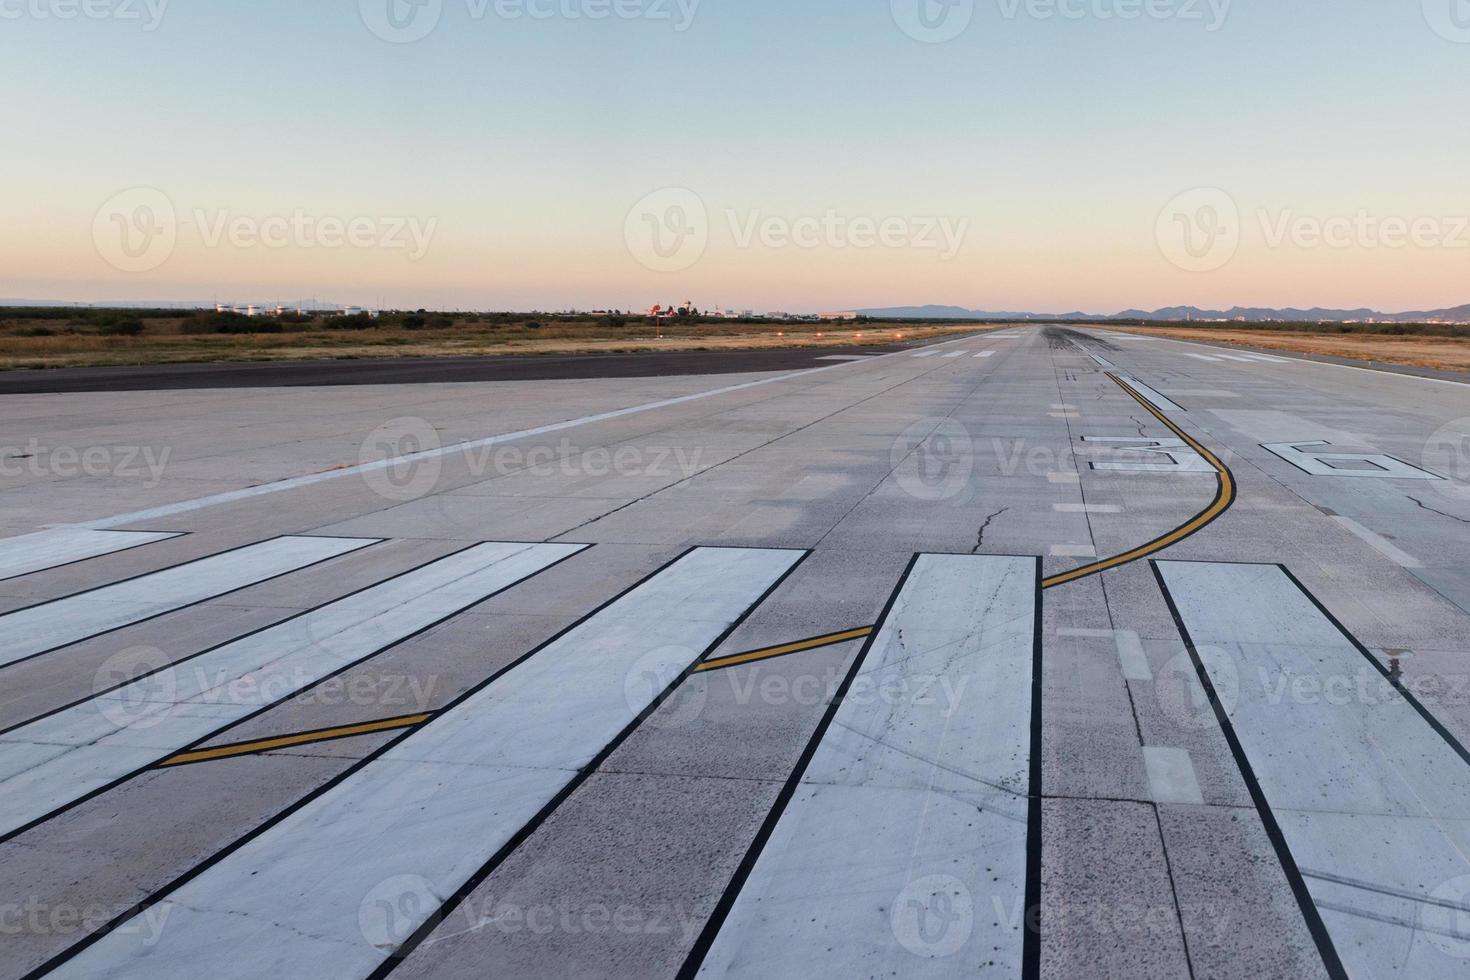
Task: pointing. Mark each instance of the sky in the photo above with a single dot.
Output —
(1043, 155)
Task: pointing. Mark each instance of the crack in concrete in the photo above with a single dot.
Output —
(1424, 506)
(980, 537)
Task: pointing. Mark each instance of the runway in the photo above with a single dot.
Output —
(1042, 652)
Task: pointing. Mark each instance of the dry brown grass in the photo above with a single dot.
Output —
(163, 343)
(1439, 353)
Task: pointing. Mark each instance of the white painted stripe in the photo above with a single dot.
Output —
(986, 353)
(1234, 357)
(61, 622)
(915, 797)
(1102, 361)
(1346, 367)
(1379, 543)
(412, 826)
(1370, 799)
(1087, 508)
(958, 353)
(294, 483)
(1131, 657)
(1171, 776)
(1267, 358)
(1130, 649)
(1202, 357)
(52, 548)
(927, 353)
(1152, 397)
(58, 759)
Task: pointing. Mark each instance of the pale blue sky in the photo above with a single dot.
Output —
(527, 142)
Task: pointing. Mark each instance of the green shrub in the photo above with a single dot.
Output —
(358, 321)
(122, 327)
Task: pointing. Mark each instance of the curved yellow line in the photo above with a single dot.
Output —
(1224, 498)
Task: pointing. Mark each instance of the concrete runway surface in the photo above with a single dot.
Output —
(1045, 652)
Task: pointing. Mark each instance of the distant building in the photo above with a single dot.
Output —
(837, 316)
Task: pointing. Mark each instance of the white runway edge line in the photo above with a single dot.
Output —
(294, 483)
(51, 625)
(42, 550)
(903, 850)
(1368, 795)
(63, 757)
(421, 819)
(1155, 399)
(1381, 372)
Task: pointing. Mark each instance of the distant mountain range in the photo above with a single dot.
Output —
(1457, 314)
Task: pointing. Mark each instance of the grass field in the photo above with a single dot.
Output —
(100, 338)
(52, 338)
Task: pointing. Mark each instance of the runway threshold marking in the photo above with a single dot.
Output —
(944, 794)
(427, 817)
(1361, 790)
(45, 550)
(51, 625)
(54, 762)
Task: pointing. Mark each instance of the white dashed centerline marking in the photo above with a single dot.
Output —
(1378, 543)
